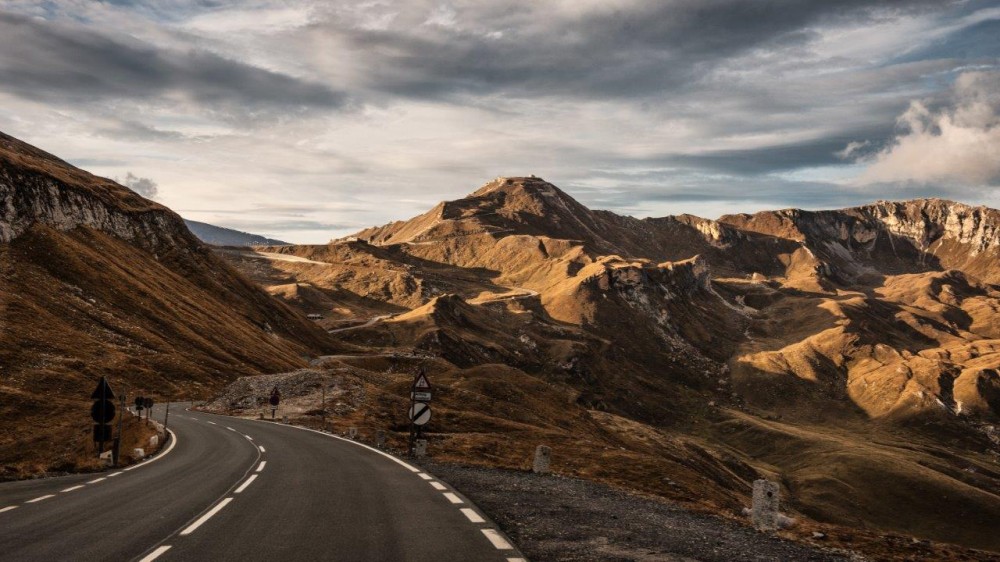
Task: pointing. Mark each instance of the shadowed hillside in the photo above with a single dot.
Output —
(97, 281)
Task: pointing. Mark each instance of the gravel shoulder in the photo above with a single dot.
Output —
(566, 519)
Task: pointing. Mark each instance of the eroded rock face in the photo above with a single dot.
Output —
(926, 221)
(38, 188)
(25, 201)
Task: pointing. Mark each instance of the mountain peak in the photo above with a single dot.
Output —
(531, 184)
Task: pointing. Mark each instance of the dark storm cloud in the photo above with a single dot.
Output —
(780, 157)
(59, 62)
(639, 194)
(640, 50)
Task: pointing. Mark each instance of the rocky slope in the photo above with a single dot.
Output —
(849, 354)
(97, 281)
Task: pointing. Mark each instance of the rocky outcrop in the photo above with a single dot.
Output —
(39, 188)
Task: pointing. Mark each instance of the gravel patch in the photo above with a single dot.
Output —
(567, 519)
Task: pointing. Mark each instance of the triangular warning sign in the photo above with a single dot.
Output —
(103, 391)
(421, 383)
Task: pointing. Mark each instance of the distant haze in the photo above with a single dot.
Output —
(312, 120)
(218, 236)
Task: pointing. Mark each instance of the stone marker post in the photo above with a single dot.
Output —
(284, 419)
(380, 439)
(420, 448)
(543, 460)
(764, 513)
(352, 433)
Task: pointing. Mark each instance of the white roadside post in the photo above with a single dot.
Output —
(764, 513)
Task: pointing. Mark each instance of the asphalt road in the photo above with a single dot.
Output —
(230, 489)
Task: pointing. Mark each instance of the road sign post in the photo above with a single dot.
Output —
(275, 399)
(420, 409)
(102, 412)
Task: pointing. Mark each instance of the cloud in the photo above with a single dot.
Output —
(628, 49)
(67, 62)
(143, 186)
(852, 150)
(957, 143)
(304, 118)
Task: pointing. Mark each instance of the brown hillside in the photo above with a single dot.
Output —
(97, 281)
(849, 354)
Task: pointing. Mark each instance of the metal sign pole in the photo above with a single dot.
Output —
(166, 418)
(121, 427)
(104, 397)
(412, 426)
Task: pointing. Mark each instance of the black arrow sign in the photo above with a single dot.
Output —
(103, 391)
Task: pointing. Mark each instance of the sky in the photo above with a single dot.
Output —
(309, 120)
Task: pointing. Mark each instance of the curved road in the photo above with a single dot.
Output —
(232, 489)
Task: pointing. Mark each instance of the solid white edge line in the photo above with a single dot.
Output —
(499, 542)
(158, 456)
(38, 499)
(156, 553)
(71, 489)
(472, 515)
(96, 480)
(245, 484)
(261, 447)
(405, 465)
(201, 520)
(452, 497)
(261, 466)
(8, 508)
(438, 486)
(425, 476)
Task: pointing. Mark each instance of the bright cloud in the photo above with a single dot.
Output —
(959, 142)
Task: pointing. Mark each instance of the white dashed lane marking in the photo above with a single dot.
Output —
(247, 483)
(472, 515)
(96, 480)
(438, 486)
(261, 447)
(73, 488)
(452, 497)
(424, 476)
(499, 542)
(112, 475)
(156, 553)
(41, 498)
(261, 466)
(201, 520)
(8, 508)
(229, 428)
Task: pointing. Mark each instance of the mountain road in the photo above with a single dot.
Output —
(231, 489)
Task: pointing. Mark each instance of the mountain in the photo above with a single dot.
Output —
(849, 354)
(219, 236)
(97, 281)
